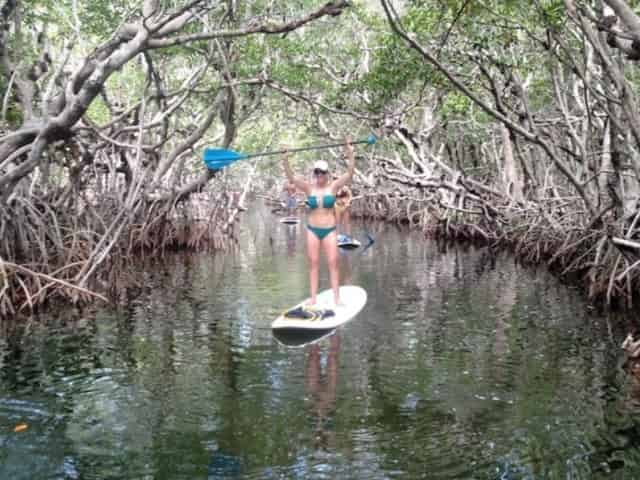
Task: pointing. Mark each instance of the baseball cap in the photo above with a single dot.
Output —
(321, 165)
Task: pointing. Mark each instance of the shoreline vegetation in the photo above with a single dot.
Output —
(105, 111)
(515, 124)
(85, 265)
(537, 239)
(591, 258)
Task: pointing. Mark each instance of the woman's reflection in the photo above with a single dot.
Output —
(321, 382)
(292, 239)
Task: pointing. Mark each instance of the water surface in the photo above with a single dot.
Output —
(461, 365)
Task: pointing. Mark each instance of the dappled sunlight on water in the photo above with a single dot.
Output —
(461, 365)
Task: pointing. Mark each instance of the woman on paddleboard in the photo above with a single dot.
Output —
(321, 223)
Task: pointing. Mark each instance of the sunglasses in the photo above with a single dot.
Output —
(317, 171)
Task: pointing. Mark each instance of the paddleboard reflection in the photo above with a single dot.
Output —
(298, 337)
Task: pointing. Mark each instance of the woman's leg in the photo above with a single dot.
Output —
(338, 219)
(330, 246)
(313, 252)
(346, 229)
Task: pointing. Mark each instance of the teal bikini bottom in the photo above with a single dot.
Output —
(321, 232)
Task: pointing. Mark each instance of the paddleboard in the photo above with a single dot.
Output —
(347, 242)
(290, 220)
(353, 300)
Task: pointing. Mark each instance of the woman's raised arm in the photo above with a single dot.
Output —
(296, 180)
(346, 177)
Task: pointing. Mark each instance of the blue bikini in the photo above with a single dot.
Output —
(328, 201)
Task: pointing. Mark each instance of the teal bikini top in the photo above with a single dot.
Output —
(327, 201)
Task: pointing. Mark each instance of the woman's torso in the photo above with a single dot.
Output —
(323, 215)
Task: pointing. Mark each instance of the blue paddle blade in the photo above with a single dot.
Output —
(370, 238)
(217, 158)
(371, 139)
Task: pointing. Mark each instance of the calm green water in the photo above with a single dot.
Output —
(460, 366)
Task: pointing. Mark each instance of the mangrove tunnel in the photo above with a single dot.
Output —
(176, 176)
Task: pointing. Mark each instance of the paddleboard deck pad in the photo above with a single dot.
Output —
(324, 315)
(290, 220)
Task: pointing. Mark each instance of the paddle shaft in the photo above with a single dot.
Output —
(303, 149)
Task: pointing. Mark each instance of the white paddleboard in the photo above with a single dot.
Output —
(353, 300)
(347, 242)
(290, 220)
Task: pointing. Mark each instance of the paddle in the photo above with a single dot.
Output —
(370, 239)
(217, 158)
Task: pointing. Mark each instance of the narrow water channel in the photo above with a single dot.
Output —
(460, 366)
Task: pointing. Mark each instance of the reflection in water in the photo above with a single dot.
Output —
(345, 266)
(296, 337)
(292, 239)
(461, 365)
(223, 467)
(321, 384)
